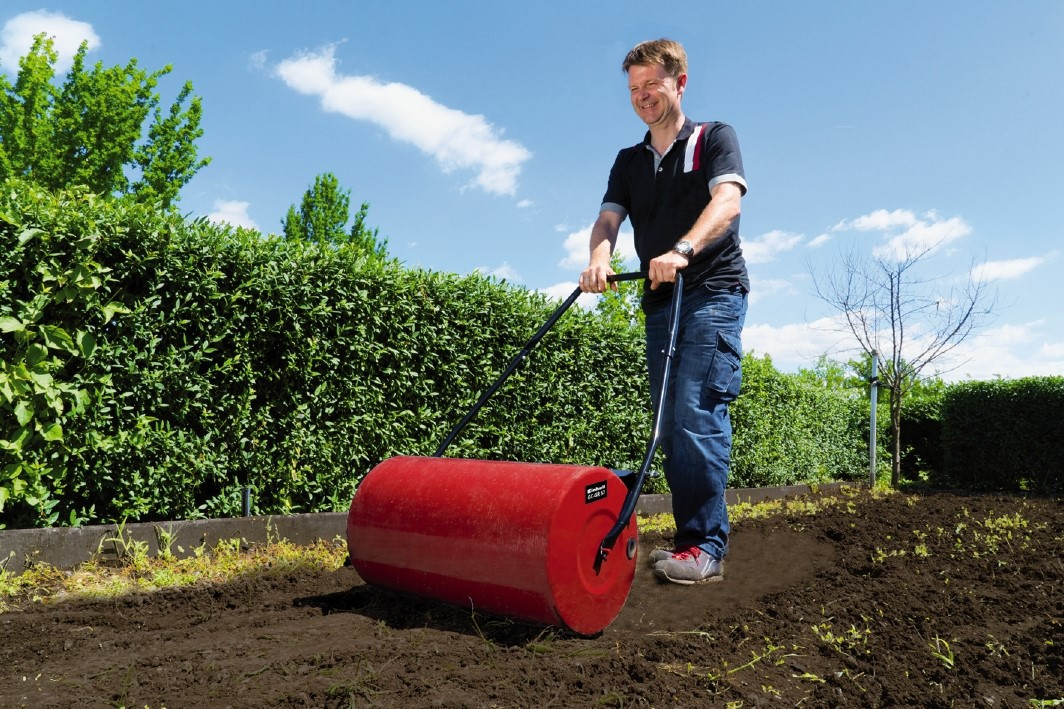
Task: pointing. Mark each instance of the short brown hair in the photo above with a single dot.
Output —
(666, 52)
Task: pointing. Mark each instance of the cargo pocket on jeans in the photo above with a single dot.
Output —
(725, 370)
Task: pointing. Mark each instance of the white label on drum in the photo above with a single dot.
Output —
(595, 491)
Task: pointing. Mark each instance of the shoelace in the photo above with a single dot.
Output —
(689, 553)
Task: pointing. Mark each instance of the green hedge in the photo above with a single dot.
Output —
(921, 433)
(788, 430)
(153, 367)
(1005, 435)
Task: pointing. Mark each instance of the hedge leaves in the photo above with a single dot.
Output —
(153, 367)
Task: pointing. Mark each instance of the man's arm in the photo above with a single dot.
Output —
(722, 209)
(603, 241)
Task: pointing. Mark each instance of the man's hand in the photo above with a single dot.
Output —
(593, 279)
(663, 269)
(603, 239)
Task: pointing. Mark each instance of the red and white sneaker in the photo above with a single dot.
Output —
(689, 566)
(661, 555)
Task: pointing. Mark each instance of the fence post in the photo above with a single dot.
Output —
(872, 397)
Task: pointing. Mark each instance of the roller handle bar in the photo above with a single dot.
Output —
(636, 487)
(525, 351)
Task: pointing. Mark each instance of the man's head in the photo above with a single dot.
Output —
(665, 52)
(657, 77)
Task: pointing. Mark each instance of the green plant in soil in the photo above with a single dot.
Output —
(941, 650)
(849, 642)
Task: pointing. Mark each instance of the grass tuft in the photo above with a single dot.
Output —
(138, 571)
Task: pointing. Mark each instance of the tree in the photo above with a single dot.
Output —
(623, 305)
(323, 215)
(91, 130)
(832, 374)
(895, 311)
(367, 240)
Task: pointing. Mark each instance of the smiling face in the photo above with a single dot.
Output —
(655, 94)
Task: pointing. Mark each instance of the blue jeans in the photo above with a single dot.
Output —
(696, 434)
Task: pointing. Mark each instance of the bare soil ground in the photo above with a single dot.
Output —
(940, 599)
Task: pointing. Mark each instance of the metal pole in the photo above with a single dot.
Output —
(874, 390)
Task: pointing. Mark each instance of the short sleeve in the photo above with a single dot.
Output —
(725, 161)
(617, 197)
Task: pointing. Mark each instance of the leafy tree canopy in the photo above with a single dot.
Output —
(90, 130)
(623, 305)
(323, 215)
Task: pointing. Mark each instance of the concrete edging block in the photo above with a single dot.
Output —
(66, 547)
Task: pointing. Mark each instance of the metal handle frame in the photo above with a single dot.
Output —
(636, 486)
(525, 351)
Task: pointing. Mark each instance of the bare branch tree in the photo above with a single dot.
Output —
(911, 320)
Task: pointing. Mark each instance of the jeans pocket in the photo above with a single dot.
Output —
(725, 376)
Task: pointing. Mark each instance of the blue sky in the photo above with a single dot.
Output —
(482, 132)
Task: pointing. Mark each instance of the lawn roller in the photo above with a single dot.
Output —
(531, 541)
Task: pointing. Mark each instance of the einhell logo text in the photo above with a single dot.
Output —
(596, 491)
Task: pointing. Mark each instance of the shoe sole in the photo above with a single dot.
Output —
(687, 582)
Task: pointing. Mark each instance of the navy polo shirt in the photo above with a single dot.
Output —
(663, 196)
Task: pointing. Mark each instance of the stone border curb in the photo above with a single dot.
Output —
(66, 547)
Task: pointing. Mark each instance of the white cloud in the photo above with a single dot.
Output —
(765, 248)
(525, 204)
(819, 241)
(993, 353)
(1053, 350)
(1009, 350)
(924, 235)
(882, 220)
(561, 291)
(576, 249)
(232, 212)
(457, 140)
(257, 60)
(504, 272)
(905, 233)
(798, 344)
(1004, 270)
(16, 38)
(763, 287)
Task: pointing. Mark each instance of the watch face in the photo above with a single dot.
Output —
(683, 248)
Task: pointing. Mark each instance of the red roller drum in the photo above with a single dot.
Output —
(514, 539)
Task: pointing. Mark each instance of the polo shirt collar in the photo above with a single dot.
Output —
(686, 130)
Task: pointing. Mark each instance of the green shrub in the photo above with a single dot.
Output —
(788, 430)
(54, 304)
(1005, 435)
(153, 367)
(289, 367)
(921, 433)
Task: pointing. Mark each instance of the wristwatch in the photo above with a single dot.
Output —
(684, 248)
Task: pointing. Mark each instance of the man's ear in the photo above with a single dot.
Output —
(681, 83)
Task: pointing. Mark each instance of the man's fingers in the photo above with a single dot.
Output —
(595, 281)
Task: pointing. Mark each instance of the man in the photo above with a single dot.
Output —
(681, 187)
